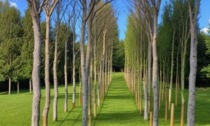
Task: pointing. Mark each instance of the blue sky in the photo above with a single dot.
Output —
(122, 11)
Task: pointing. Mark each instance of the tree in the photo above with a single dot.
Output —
(88, 13)
(193, 6)
(35, 7)
(48, 8)
(27, 48)
(11, 34)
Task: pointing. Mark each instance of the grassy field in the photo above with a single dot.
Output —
(118, 108)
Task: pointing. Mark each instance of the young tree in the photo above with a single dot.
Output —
(193, 6)
(48, 8)
(35, 7)
(88, 13)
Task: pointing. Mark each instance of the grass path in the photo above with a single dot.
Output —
(118, 107)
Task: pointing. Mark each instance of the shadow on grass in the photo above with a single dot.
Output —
(118, 117)
(74, 121)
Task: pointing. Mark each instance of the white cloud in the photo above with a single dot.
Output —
(13, 4)
(204, 30)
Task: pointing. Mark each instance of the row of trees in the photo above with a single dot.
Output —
(32, 47)
(95, 65)
(155, 56)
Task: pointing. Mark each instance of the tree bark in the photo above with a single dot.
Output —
(18, 87)
(65, 77)
(47, 74)
(10, 85)
(30, 86)
(36, 70)
(55, 79)
(155, 73)
(83, 69)
(193, 12)
(172, 66)
(149, 74)
(74, 85)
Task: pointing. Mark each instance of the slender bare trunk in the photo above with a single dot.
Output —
(10, 85)
(83, 69)
(18, 87)
(30, 86)
(95, 80)
(47, 74)
(55, 79)
(172, 66)
(74, 81)
(193, 62)
(36, 72)
(149, 75)
(65, 77)
(155, 73)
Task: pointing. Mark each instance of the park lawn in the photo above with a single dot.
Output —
(15, 109)
(118, 108)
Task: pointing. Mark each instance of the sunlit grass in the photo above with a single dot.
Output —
(118, 108)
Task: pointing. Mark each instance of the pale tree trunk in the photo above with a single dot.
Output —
(74, 85)
(177, 79)
(89, 96)
(36, 72)
(182, 84)
(172, 69)
(193, 12)
(74, 53)
(149, 75)
(30, 86)
(86, 86)
(47, 74)
(65, 77)
(145, 96)
(99, 85)
(48, 7)
(155, 73)
(83, 70)
(55, 79)
(95, 79)
(10, 85)
(18, 87)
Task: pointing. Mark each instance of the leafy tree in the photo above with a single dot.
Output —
(10, 43)
(118, 53)
(27, 48)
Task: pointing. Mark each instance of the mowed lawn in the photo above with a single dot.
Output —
(118, 108)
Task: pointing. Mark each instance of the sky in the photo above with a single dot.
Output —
(122, 11)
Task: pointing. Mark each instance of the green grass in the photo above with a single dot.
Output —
(118, 108)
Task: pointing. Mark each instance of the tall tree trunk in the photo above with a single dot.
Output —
(10, 85)
(193, 12)
(95, 79)
(65, 77)
(74, 82)
(36, 72)
(83, 70)
(172, 69)
(145, 95)
(47, 74)
(177, 78)
(182, 84)
(18, 87)
(149, 74)
(55, 79)
(155, 73)
(30, 86)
